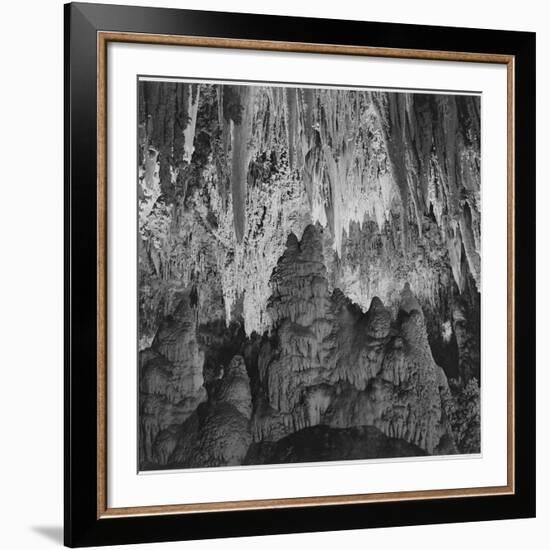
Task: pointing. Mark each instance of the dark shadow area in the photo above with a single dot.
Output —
(51, 532)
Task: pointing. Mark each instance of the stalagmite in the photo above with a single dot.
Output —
(309, 266)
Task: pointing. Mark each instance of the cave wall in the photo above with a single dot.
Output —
(290, 219)
(270, 161)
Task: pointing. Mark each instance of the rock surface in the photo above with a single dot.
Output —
(322, 443)
(171, 377)
(309, 263)
(337, 366)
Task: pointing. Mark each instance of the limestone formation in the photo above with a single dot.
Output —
(309, 267)
(170, 377)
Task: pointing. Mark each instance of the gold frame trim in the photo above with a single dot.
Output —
(103, 511)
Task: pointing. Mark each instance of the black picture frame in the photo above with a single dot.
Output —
(83, 526)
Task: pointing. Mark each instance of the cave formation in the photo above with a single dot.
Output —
(309, 274)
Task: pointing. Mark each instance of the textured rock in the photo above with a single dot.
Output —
(322, 443)
(241, 129)
(327, 363)
(335, 365)
(176, 340)
(293, 157)
(218, 433)
(235, 387)
(467, 342)
(301, 312)
(464, 417)
(309, 263)
(219, 437)
(170, 378)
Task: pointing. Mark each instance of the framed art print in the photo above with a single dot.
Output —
(299, 274)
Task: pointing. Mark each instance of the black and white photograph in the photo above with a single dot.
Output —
(275, 275)
(308, 273)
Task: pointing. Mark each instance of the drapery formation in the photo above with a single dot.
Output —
(385, 189)
(269, 161)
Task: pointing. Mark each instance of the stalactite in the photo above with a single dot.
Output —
(189, 131)
(291, 123)
(353, 157)
(240, 157)
(309, 263)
